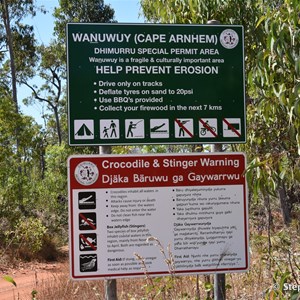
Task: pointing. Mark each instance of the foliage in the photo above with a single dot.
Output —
(23, 34)
(33, 294)
(9, 279)
(14, 183)
(167, 287)
(27, 235)
(273, 135)
(52, 71)
(272, 47)
(33, 173)
(94, 11)
(23, 43)
(277, 257)
(52, 61)
(33, 185)
(241, 12)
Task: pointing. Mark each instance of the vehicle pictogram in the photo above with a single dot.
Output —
(232, 127)
(208, 128)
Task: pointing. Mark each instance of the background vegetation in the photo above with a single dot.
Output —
(33, 174)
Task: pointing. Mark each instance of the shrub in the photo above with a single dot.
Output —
(27, 236)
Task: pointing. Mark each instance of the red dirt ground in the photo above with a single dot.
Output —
(28, 277)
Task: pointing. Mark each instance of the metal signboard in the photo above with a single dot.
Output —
(123, 204)
(155, 84)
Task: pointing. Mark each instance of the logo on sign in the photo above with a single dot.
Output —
(86, 173)
(229, 39)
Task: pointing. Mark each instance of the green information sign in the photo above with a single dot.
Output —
(155, 84)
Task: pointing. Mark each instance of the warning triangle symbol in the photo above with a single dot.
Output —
(84, 131)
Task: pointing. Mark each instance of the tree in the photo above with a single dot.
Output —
(273, 84)
(53, 72)
(11, 180)
(84, 11)
(17, 59)
(18, 40)
(52, 66)
(18, 54)
(33, 169)
(241, 12)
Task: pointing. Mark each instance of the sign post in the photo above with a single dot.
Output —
(117, 203)
(110, 285)
(155, 84)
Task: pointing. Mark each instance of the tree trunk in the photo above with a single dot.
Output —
(9, 40)
(6, 20)
(55, 109)
(285, 206)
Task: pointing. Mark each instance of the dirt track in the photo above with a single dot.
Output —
(28, 278)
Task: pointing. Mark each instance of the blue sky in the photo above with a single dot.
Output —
(126, 11)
